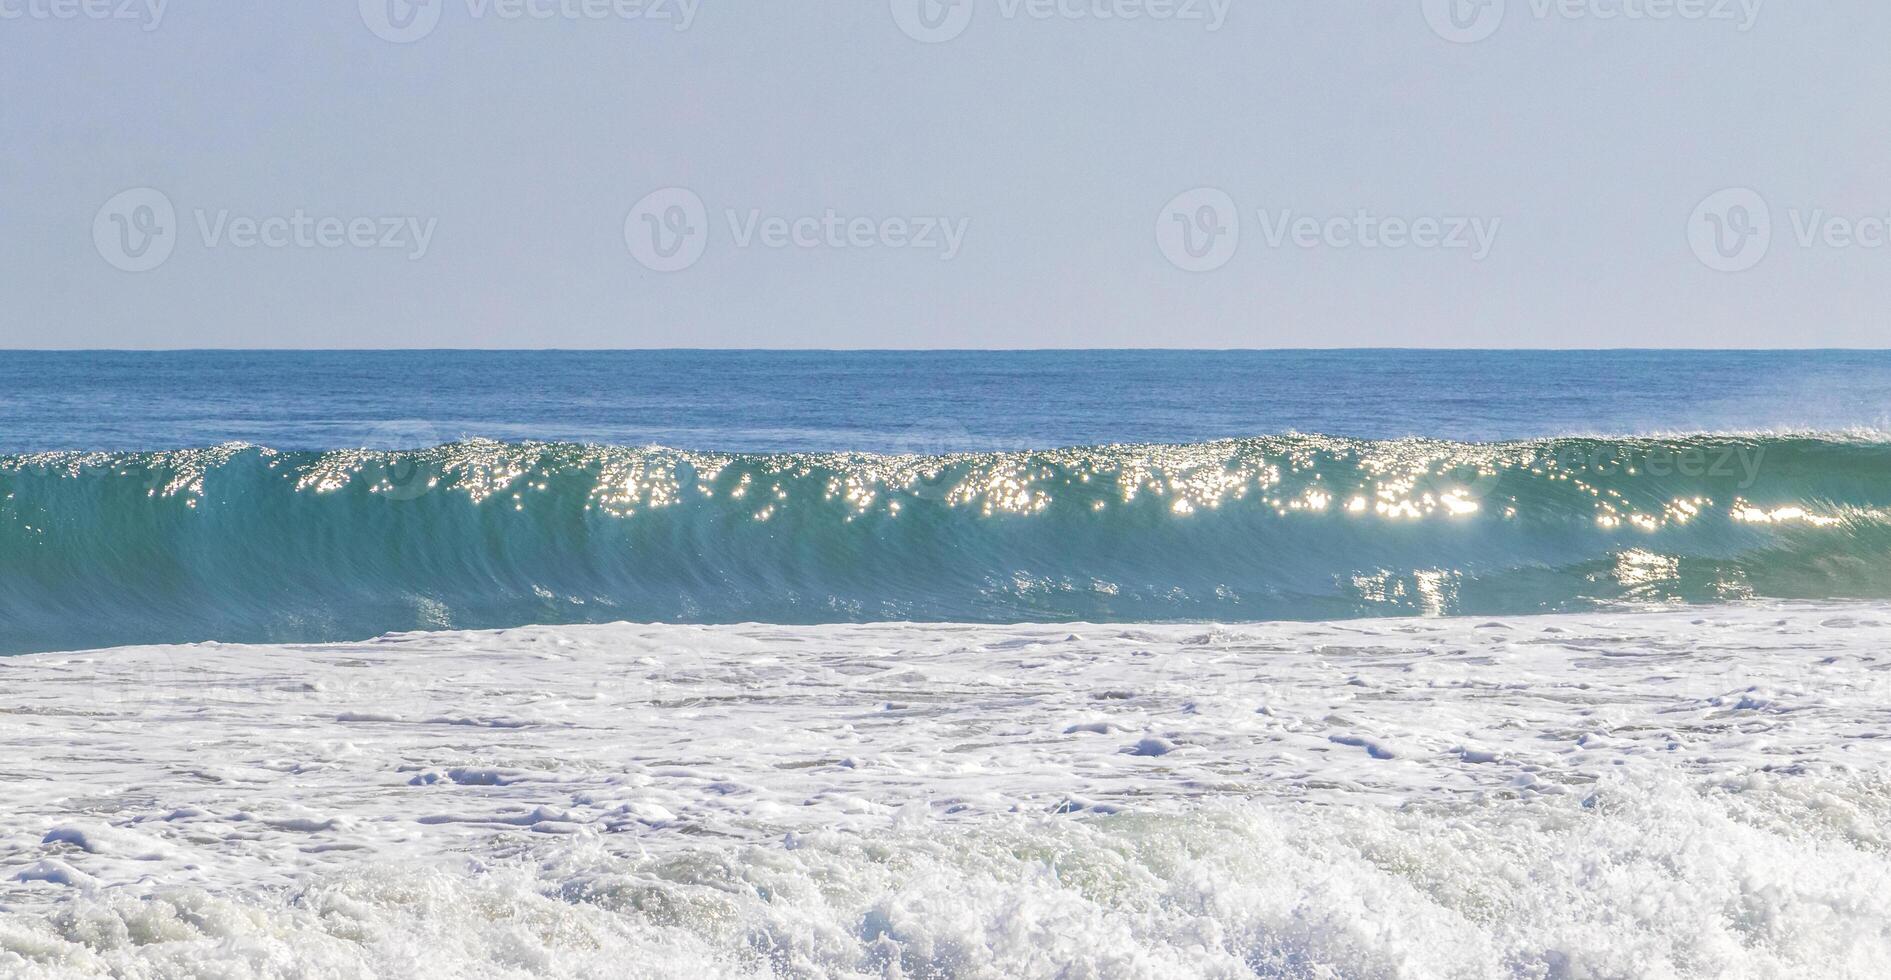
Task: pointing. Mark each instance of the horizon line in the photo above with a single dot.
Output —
(943, 350)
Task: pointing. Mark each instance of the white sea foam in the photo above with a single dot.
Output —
(1687, 793)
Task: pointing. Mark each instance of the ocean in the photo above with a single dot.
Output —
(945, 665)
(948, 401)
(311, 497)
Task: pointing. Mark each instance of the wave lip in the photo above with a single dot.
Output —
(246, 543)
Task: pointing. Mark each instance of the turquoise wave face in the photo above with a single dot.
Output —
(241, 543)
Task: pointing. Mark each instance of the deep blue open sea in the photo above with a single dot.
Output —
(188, 496)
(768, 401)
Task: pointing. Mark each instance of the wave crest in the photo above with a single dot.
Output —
(246, 543)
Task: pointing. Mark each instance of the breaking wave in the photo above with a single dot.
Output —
(243, 543)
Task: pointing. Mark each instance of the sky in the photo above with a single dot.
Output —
(944, 173)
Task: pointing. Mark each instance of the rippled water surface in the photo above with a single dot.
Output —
(773, 401)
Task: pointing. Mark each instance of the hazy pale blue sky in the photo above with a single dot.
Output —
(1587, 173)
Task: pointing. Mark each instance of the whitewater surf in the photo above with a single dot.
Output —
(1642, 794)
